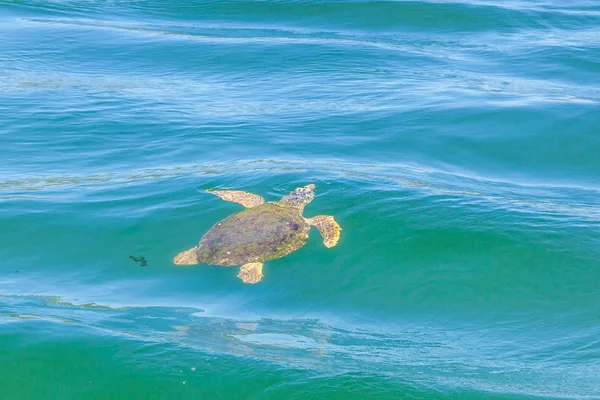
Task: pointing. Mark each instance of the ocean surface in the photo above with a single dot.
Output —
(457, 143)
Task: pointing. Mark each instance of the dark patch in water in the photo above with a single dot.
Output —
(141, 260)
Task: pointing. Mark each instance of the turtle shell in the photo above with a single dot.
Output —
(257, 234)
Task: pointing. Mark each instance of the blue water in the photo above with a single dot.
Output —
(456, 143)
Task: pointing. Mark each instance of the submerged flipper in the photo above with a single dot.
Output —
(188, 257)
(251, 272)
(248, 200)
(329, 229)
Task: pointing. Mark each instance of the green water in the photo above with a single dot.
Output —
(456, 143)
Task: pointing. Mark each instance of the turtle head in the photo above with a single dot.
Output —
(299, 197)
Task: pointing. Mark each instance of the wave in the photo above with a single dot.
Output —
(466, 16)
(424, 354)
(427, 349)
(517, 196)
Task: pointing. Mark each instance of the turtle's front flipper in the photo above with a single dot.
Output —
(329, 229)
(188, 257)
(251, 272)
(246, 199)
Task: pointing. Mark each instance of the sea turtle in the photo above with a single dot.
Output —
(261, 232)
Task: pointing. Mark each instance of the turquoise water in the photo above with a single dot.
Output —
(456, 143)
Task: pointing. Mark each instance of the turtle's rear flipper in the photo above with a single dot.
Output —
(188, 257)
(329, 229)
(246, 199)
(251, 272)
